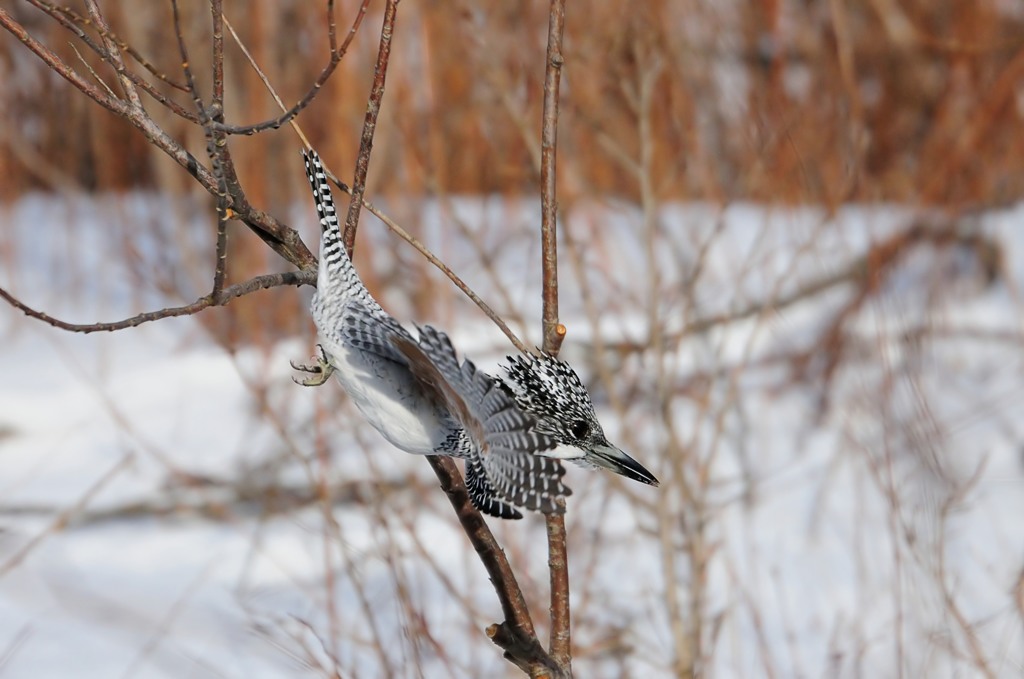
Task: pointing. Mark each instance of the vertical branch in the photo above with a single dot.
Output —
(370, 124)
(216, 142)
(217, 145)
(554, 332)
(558, 568)
(217, 12)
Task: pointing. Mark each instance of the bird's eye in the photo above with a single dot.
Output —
(579, 429)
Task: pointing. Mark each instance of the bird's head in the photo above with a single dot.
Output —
(552, 392)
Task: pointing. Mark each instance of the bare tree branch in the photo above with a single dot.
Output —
(216, 144)
(380, 72)
(113, 54)
(271, 280)
(516, 634)
(336, 55)
(554, 332)
(216, 149)
(279, 237)
(549, 201)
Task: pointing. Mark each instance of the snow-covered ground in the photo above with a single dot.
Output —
(858, 519)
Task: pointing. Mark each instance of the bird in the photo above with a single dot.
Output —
(415, 392)
(549, 389)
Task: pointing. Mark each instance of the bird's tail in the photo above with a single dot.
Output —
(335, 264)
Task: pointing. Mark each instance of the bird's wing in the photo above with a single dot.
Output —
(503, 436)
(374, 331)
(483, 494)
(529, 480)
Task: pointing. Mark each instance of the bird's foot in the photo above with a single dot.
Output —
(320, 371)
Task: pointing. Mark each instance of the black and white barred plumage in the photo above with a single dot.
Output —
(511, 445)
(551, 391)
(414, 403)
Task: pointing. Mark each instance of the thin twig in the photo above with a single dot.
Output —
(113, 56)
(74, 23)
(217, 48)
(336, 54)
(229, 293)
(380, 72)
(92, 72)
(215, 141)
(433, 259)
(554, 332)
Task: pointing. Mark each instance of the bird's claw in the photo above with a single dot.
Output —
(321, 371)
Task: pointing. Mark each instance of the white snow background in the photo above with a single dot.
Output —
(870, 524)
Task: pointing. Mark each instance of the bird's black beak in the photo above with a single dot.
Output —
(609, 457)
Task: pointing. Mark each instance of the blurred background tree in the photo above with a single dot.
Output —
(816, 101)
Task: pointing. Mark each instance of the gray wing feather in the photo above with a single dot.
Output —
(511, 466)
(507, 429)
(373, 330)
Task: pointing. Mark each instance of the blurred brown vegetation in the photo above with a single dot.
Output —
(821, 102)
(815, 101)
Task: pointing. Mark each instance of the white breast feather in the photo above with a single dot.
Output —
(402, 415)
